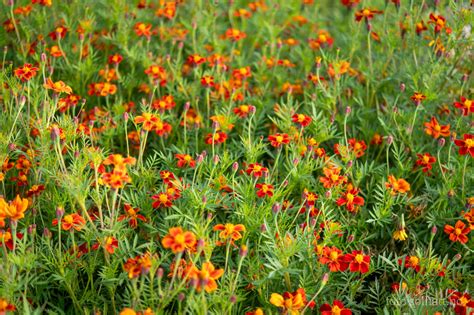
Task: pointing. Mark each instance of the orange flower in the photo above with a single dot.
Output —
(366, 14)
(397, 185)
(110, 244)
(185, 160)
(206, 277)
(138, 265)
(58, 33)
(458, 233)
(165, 103)
(119, 161)
(234, 34)
(58, 87)
(26, 72)
(465, 104)
(279, 139)
(148, 120)
(157, 73)
(434, 129)
(115, 59)
(417, 98)
(358, 261)
(230, 231)
(69, 221)
(7, 238)
(337, 308)
(56, 52)
(332, 177)
(178, 240)
(333, 257)
(6, 307)
(117, 178)
(420, 27)
(15, 210)
(142, 29)
(466, 145)
(351, 200)
(292, 303)
(357, 146)
(440, 23)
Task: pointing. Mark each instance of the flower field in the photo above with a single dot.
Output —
(236, 157)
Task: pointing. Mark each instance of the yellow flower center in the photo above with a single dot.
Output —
(350, 197)
(359, 258)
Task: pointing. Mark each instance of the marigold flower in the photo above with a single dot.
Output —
(26, 72)
(256, 169)
(440, 23)
(411, 262)
(465, 104)
(243, 110)
(230, 231)
(131, 214)
(6, 238)
(420, 27)
(434, 129)
(14, 210)
(332, 177)
(242, 73)
(142, 29)
(138, 265)
(460, 301)
(264, 190)
(466, 145)
(117, 178)
(58, 87)
(147, 120)
(278, 139)
(350, 3)
(292, 303)
(234, 34)
(458, 233)
(195, 60)
(351, 200)
(158, 73)
(178, 240)
(400, 234)
(333, 257)
(118, 161)
(417, 98)
(59, 33)
(358, 261)
(71, 221)
(206, 277)
(337, 308)
(301, 119)
(216, 138)
(357, 146)
(185, 160)
(162, 200)
(397, 185)
(114, 59)
(366, 14)
(6, 307)
(425, 160)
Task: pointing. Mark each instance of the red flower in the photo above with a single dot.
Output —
(256, 169)
(458, 233)
(7, 238)
(366, 14)
(466, 145)
(264, 190)
(59, 32)
(337, 308)
(218, 137)
(195, 60)
(351, 200)
(26, 72)
(71, 221)
(110, 244)
(412, 262)
(243, 110)
(115, 59)
(301, 119)
(440, 23)
(358, 261)
(417, 98)
(207, 81)
(165, 103)
(185, 160)
(142, 29)
(333, 257)
(161, 200)
(461, 301)
(278, 139)
(425, 160)
(132, 215)
(357, 146)
(466, 105)
(167, 177)
(309, 197)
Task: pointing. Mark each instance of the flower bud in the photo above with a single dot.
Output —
(349, 164)
(159, 273)
(32, 229)
(389, 140)
(348, 110)
(328, 194)
(325, 279)
(209, 216)
(441, 142)
(126, 116)
(215, 125)
(216, 159)
(199, 159)
(252, 109)
(350, 239)
(434, 229)
(55, 133)
(200, 244)
(47, 233)
(204, 199)
(233, 299)
(59, 213)
(22, 100)
(276, 208)
(186, 106)
(235, 166)
(181, 297)
(263, 228)
(243, 251)
(457, 257)
(402, 87)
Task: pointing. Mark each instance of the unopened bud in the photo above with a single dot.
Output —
(348, 110)
(235, 166)
(216, 159)
(350, 239)
(126, 116)
(457, 257)
(215, 125)
(325, 278)
(187, 106)
(402, 87)
(181, 297)
(204, 199)
(349, 164)
(200, 244)
(434, 229)
(389, 140)
(263, 228)
(55, 133)
(47, 233)
(328, 194)
(276, 208)
(243, 251)
(32, 229)
(441, 142)
(59, 213)
(159, 273)
(233, 299)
